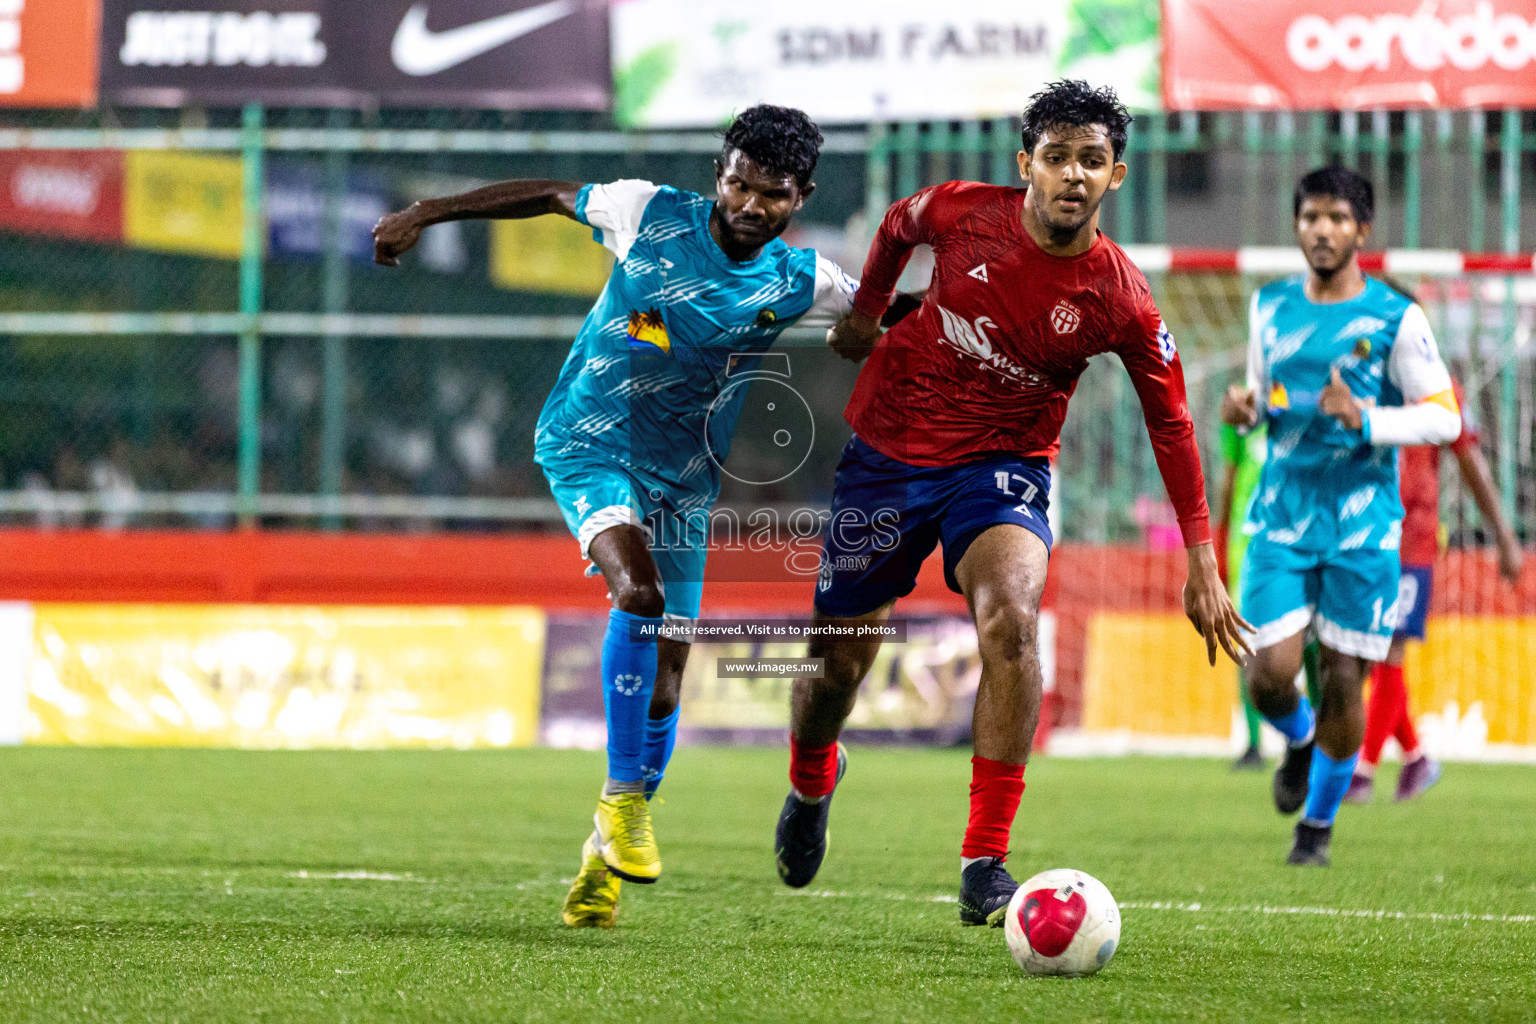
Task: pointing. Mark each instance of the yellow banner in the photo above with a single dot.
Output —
(183, 202)
(1472, 683)
(274, 676)
(1147, 674)
(547, 254)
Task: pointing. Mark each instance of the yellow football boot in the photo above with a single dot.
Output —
(593, 901)
(625, 839)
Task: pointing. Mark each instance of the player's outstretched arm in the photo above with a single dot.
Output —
(1474, 470)
(1210, 610)
(397, 233)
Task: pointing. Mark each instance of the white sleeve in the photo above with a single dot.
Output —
(614, 211)
(834, 295)
(1416, 369)
(1256, 377)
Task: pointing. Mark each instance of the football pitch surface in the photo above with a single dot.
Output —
(160, 885)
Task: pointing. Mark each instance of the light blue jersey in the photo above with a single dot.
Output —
(642, 415)
(1326, 520)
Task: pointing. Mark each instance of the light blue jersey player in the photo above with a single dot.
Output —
(632, 437)
(1341, 370)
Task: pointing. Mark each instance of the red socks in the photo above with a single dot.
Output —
(812, 770)
(995, 791)
(1407, 735)
(1387, 713)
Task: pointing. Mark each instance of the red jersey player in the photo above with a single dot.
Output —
(1387, 711)
(955, 417)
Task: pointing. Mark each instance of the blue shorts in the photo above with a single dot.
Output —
(595, 494)
(888, 515)
(1413, 593)
(1348, 596)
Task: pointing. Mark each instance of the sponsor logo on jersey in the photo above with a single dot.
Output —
(963, 336)
(970, 339)
(419, 51)
(1065, 317)
(979, 272)
(648, 330)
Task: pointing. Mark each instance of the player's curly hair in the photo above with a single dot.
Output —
(778, 139)
(1338, 183)
(1072, 103)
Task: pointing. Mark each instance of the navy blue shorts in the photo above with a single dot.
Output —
(1413, 592)
(888, 515)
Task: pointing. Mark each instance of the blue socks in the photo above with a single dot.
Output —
(629, 677)
(1296, 726)
(660, 735)
(1326, 784)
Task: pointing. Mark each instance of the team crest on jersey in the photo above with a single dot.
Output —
(1279, 398)
(1165, 346)
(648, 330)
(1362, 348)
(767, 318)
(1065, 317)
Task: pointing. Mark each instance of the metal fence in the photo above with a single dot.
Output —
(146, 387)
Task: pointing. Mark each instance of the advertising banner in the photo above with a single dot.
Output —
(48, 53)
(683, 62)
(294, 204)
(921, 690)
(1349, 54)
(490, 53)
(547, 254)
(63, 193)
(183, 202)
(272, 676)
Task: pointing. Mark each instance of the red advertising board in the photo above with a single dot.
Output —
(48, 52)
(64, 193)
(1348, 54)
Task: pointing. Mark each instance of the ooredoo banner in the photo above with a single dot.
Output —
(48, 53)
(1349, 54)
(487, 53)
(63, 193)
(686, 62)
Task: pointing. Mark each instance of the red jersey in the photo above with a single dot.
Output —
(1419, 471)
(988, 362)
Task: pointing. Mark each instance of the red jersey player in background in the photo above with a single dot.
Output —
(1387, 711)
(955, 418)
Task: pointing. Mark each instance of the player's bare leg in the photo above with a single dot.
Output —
(1271, 678)
(818, 709)
(1003, 576)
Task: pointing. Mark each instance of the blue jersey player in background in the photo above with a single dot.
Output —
(1342, 370)
(632, 434)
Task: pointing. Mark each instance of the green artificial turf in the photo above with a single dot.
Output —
(175, 885)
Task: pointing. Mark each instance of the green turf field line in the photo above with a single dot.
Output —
(1394, 915)
(355, 876)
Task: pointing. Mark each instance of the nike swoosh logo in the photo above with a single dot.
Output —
(417, 50)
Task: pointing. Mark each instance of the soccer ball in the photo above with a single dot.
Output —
(1062, 922)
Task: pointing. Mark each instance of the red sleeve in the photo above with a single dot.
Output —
(905, 225)
(1147, 350)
